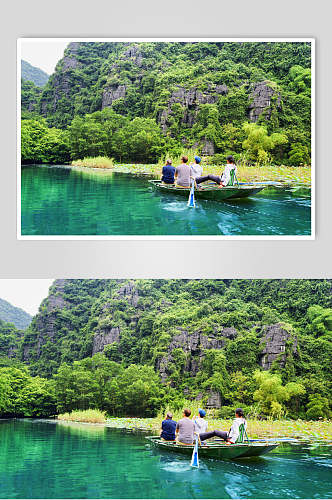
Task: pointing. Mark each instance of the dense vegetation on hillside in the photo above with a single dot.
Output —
(12, 314)
(137, 101)
(130, 347)
(32, 74)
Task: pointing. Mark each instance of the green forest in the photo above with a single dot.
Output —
(136, 102)
(11, 314)
(135, 347)
(32, 74)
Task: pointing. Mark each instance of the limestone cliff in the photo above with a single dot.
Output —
(146, 79)
(173, 325)
(275, 339)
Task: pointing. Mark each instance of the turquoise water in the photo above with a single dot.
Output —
(39, 459)
(64, 201)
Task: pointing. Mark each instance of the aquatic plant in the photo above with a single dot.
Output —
(270, 428)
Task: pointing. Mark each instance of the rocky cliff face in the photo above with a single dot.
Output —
(112, 94)
(190, 100)
(45, 323)
(274, 341)
(91, 77)
(144, 323)
(261, 100)
(193, 345)
(105, 337)
(108, 335)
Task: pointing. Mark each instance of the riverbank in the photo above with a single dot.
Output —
(293, 429)
(287, 176)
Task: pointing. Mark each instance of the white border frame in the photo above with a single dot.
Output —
(169, 237)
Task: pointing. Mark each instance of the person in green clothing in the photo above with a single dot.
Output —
(224, 179)
(232, 435)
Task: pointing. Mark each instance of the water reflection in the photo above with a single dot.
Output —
(41, 459)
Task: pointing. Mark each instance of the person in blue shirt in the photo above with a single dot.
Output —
(168, 427)
(168, 173)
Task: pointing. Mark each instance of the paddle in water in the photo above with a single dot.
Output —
(194, 458)
(191, 200)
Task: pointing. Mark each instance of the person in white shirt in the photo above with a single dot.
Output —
(196, 169)
(222, 180)
(232, 435)
(201, 425)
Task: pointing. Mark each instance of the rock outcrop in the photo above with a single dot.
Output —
(134, 54)
(129, 292)
(106, 337)
(56, 300)
(193, 345)
(214, 400)
(45, 323)
(190, 100)
(274, 340)
(112, 94)
(260, 100)
(109, 335)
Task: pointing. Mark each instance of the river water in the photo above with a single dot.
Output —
(43, 459)
(64, 201)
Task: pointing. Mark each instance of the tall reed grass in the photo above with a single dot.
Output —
(97, 162)
(91, 416)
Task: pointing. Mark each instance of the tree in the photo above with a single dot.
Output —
(258, 143)
(300, 79)
(320, 320)
(5, 392)
(140, 391)
(318, 407)
(271, 394)
(40, 144)
(207, 126)
(87, 137)
(142, 140)
(23, 395)
(298, 154)
(75, 388)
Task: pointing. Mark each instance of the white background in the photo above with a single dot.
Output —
(160, 258)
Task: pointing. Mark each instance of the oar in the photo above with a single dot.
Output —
(194, 458)
(191, 200)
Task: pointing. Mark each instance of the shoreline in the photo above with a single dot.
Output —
(299, 430)
(280, 177)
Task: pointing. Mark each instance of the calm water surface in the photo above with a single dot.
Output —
(64, 201)
(39, 459)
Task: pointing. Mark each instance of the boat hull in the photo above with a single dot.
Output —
(216, 450)
(210, 191)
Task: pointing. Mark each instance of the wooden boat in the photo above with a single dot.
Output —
(216, 449)
(211, 191)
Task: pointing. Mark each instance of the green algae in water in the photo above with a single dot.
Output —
(41, 459)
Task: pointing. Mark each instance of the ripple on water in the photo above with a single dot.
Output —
(175, 207)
